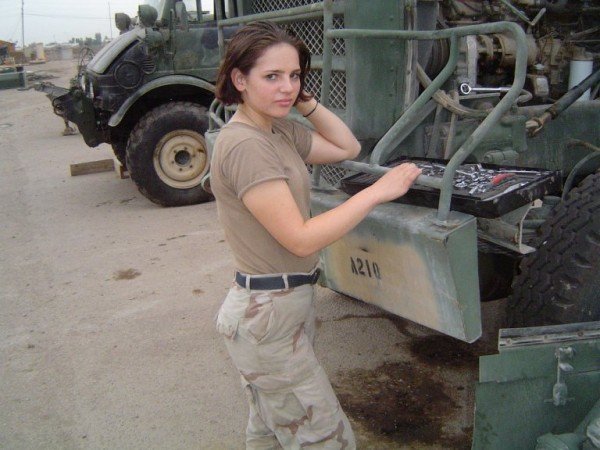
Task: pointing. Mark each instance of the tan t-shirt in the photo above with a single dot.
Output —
(243, 157)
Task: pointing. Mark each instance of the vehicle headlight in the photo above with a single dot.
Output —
(128, 75)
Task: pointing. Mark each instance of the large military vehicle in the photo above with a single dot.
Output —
(146, 93)
(495, 100)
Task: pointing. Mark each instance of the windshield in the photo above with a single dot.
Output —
(190, 6)
(153, 3)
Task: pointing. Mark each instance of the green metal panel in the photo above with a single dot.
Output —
(107, 55)
(10, 79)
(374, 62)
(514, 399)
(172, 80)
(401, 260)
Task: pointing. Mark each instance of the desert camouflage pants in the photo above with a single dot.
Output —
(269, 337)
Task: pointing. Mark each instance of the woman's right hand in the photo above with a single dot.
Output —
(395, 183)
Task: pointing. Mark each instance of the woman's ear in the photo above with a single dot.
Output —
(238, 79)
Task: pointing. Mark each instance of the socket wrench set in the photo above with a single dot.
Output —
(482, 190)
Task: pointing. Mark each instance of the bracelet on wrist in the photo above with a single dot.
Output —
(312, 110)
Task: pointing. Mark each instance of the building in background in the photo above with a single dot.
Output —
(61, 52)
(8, 53)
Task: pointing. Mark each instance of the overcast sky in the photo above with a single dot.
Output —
(60, 20)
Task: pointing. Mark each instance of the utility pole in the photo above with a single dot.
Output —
(23, 24)
(110, 21)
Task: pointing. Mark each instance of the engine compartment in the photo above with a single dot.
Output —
(563, 38)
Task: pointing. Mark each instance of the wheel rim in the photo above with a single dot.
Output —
(180, 159)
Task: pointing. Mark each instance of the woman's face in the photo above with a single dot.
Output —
(272, 85)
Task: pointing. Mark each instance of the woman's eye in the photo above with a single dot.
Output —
(295, 76)
(271, 76)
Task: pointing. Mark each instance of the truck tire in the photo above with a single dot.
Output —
(167, 155)
(559, 283)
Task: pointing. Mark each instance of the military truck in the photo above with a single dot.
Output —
(495, 100)
(147, 93)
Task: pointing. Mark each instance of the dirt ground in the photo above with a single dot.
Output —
(106, 317)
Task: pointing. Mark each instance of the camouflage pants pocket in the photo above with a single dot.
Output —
(249, 314)
(230, 312)
(259, 317)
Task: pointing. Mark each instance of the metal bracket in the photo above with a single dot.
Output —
(506, 230)
(560, 390)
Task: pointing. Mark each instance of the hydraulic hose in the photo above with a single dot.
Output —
(535, 125)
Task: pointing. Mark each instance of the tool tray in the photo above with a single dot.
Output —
(482, 190)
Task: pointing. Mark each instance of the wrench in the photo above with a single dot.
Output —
(466, 89)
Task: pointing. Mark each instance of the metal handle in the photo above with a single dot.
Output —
(466, 89)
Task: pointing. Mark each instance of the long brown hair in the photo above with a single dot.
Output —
(247, 45)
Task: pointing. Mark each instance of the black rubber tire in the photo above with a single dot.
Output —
(162, 146)
(560, 282)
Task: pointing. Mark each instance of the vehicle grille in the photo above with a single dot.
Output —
(148, 65)
(332, 175)
(275, 5)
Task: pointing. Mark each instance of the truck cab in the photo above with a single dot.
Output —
(140, 89)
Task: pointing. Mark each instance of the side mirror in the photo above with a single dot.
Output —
(123, 22)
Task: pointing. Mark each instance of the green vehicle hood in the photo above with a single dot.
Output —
(105, 57)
